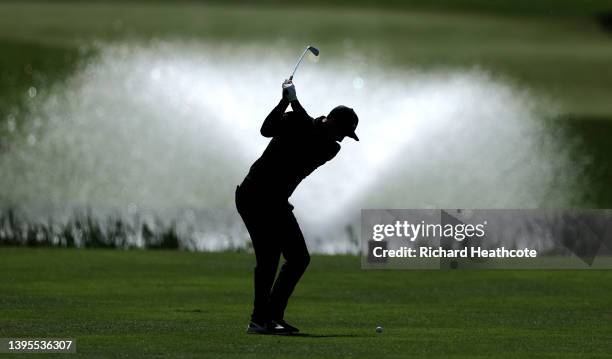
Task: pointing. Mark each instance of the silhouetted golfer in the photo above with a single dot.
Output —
(299, 145)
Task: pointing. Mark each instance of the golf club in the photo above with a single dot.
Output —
(312, 49)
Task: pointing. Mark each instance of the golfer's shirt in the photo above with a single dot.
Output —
(297, 148)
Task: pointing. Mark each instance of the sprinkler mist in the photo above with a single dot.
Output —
(162, 133)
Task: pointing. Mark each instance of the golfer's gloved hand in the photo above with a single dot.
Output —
(289, 91)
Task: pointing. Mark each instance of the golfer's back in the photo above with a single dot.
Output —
(297, 148)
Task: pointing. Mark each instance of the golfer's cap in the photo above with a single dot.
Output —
(347, 120)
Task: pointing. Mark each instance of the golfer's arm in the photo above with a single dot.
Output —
(272, 123)
(297, 108)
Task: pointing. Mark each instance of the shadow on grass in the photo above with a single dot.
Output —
(308, 335)
(191, 311)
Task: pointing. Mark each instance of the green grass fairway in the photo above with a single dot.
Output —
(159, 304)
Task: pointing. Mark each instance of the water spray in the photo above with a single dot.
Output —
(136, 133)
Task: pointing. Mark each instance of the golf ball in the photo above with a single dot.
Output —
(379, 329)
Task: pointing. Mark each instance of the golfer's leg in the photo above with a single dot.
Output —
(296, 256)
(264, 237)
(267, 257)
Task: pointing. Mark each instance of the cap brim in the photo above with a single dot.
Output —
(353, 136)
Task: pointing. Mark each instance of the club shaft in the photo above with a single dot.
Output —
(298, 63)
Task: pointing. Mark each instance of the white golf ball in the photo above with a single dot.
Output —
(379, 329)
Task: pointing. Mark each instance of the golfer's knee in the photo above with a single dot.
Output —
(265, 269)
(306, 260)
(300, 263)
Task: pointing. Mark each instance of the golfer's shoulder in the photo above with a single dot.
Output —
(333, 148)
(299, 119)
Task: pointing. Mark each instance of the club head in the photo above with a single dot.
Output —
(314, 50)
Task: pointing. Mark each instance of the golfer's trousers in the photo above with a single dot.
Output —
(274, 231)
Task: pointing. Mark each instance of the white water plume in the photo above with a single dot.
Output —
(176, 125)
